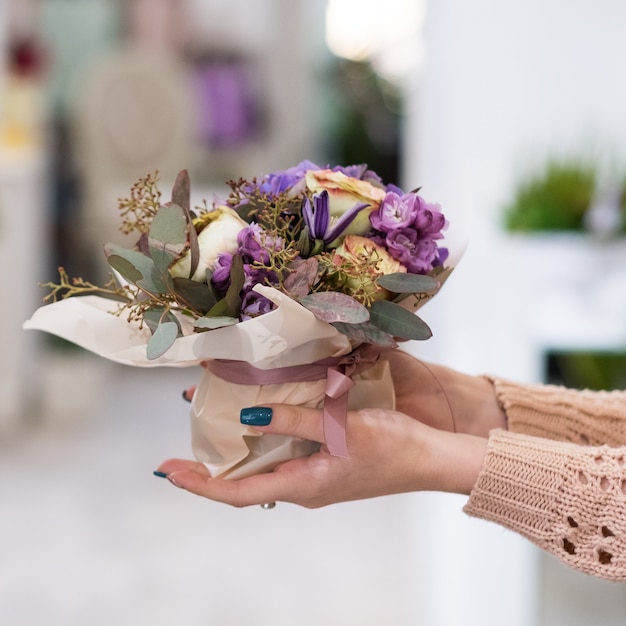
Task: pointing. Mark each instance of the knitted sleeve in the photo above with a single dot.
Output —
(585, 417)
(566, 498)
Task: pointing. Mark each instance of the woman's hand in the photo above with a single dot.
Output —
(444, 398)
(439, 396)
(390, 452)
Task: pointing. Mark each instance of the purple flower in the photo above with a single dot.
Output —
(415, 253)
(250, 246)
(258, 275)
(395, 212)
(410, 228)
(253, 305)
(359, 171)
(254, 246)
(318, 220)
(221, 273)
(429, 220)
(275, 183)
(255, 243)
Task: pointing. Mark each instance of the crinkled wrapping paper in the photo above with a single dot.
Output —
(289, 335)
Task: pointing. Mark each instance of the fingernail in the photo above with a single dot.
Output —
(160, 474)
(256, 416)
(186, 398)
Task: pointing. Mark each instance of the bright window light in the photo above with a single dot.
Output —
(385, 32)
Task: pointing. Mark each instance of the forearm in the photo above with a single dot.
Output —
(457, 460)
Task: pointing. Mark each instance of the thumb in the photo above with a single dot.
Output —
(285, 419)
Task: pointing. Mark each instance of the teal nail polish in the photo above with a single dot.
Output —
(159, 474)
(256, 416)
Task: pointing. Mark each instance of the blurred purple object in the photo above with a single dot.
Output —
(228, 103)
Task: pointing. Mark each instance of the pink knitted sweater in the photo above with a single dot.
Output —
(557, 476)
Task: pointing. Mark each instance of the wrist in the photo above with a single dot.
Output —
(462, 459)
(474, 404)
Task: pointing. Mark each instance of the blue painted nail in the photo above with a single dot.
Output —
(256, 416)
(159, 474)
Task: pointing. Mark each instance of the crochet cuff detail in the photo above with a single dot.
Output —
(566, 499)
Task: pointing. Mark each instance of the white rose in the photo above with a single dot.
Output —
(217, 233)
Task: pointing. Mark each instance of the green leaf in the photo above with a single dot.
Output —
(199, 297)
(156, 315)
(181, 195)
(365, 333)
(181, 191)
(230, 304)
(162, 340)
(408, 283)
(150, 280)
(397, 321)
(168, 235)
(214, 322)
(331, 306)
(125, 268)
(220, 309)
(245, 211)
(237, 279)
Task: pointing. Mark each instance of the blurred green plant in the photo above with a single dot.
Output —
(588, 370)
(555, 199)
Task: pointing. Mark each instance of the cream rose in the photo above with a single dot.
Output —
(217, 233)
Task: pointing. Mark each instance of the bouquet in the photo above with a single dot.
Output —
(286, 291)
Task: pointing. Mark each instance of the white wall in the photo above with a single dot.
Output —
(504, 85)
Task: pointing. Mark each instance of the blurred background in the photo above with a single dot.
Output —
(511, 115)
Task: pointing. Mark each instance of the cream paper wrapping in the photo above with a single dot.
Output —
(289, 335)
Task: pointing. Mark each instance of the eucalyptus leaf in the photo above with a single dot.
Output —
(331, 306)
(365, 333)
(219, 309)
(181, 195)
(408, 283)
(397, 321)
(168, 236)
(237, 279)
(125, 268)
(197, 296)
(245, 211)
(156, 315)
(150, 279)
(162, 340)
(214, 322)
(181, 191)
(302, 277)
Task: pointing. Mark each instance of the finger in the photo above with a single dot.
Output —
(178, 465)
(286, 419)
(188, 393)
(195, 478)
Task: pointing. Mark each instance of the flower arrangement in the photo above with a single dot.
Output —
(293, 279)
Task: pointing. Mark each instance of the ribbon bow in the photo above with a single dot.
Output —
(337, 371)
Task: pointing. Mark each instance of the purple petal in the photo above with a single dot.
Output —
(321, 214)
(343, 222)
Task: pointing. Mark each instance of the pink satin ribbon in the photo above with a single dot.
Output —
(337, 371)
